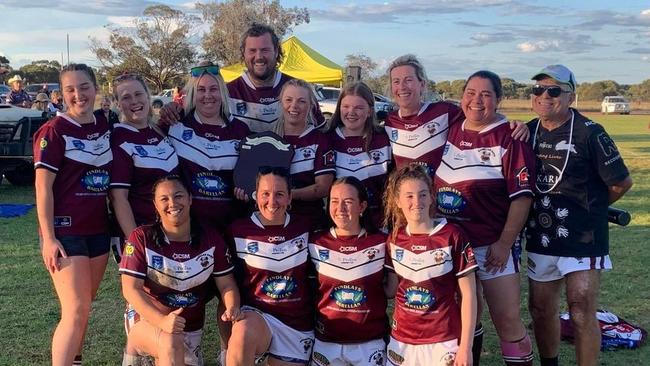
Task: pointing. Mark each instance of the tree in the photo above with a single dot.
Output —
(229, 20)
(158, 46)
(367, 65)
(640, 92)
(41, 71)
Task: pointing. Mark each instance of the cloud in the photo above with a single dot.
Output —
(394, 12)
(539, 46)
(639, 50)
(105, 7)
(645, 58)
(483, 39)
(596, 20)
(122, 21)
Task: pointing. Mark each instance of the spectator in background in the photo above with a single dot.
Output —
(179, 96)
(57, 100)
(107, 112)
(18, 96)
(43, 104)
(45, 90)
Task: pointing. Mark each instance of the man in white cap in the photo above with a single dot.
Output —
(579, 173)
(17, 96)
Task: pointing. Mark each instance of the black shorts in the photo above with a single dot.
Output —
(85, 245)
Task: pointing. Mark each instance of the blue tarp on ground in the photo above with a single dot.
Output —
(14, 210)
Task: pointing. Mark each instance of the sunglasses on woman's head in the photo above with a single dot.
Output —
(553, 91)
(200, 70)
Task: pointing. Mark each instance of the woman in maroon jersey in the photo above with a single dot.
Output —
(351, 319)
(432, 266)
(312, 167)
(166, 306)
(362, 148)
(142, 155)
(271, 247)
(484, 184)
(72, 158)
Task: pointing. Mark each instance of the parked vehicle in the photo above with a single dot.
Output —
(17, 127)
(4, 90)
(166, 97)
(34, 89)
(615, 104)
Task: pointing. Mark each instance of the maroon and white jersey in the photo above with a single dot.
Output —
(274, 268)
(207, 156)
(421, 137)
(177, 274)
(351, 302)
(259, 107)
(140, 158)
(480, 174)
(428, 267)
(312, 157)
(80, 156)
(371, 167)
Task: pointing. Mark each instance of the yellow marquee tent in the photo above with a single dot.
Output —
(300, 61)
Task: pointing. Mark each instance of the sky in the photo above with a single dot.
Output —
(598, 40)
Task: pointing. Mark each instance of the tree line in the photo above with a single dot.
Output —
(163, 43)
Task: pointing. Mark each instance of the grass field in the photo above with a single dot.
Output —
(30, 309)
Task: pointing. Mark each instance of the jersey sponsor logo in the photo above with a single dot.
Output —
(544, 145)
(204, 260)
(450, 201)
(153, 140)
(348, 296)
(371, 253)
(347, 249)
(78, 144)
(92, 136)
(378, 357)
(522, 177)
(468, 253)
(43, 143)
(298, 242)
(129, 249)
(419, 298)
(448, 359)
(394, 135)
(465, 144)
(267, 100)
(177, 256)
(187, 135)
(62, 221)
(140, 150)
(354, 149)
(279, 287)
(96, 180)
(275, 239)
(440, 256)
(307, 152)
(323, 254)
(376, 155)
(607, 145)
(418, 247)
(252, 247)
(241, 108)
(330, 157)
(157, 261)
(399, 254)
(181, 300)
(408, 126)
(429, 170)
(320, 359)
(307, 343)
(209, 184)
(486, 154)
(432, 128)
(395, 357)
(563, 145)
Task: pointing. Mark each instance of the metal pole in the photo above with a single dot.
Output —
(68, 45)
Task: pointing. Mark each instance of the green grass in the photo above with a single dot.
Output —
(30, 309)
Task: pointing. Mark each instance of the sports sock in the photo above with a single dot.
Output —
(477, 346)
(77, 360)
(549, 361)
(518, 353)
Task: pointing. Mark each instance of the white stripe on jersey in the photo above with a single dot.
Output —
(423, 266)
(211, 155)
(278, 257)
(176, 275)
(348, 267)
(424, 139)
(95, 152)
(363, 165)
(474, 164)
(303, 159)
(160, 156)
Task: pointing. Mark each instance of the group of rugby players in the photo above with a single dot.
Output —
(450, 188)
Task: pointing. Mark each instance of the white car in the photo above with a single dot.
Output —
(615, 104)
(11, 113)
(166, 97)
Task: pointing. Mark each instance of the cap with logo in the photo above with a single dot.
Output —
(559, 73)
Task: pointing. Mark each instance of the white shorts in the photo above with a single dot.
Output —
(434, 354)
(512, 264)
(287, 344)
(192, 340)
(372, 353)
(546, 268)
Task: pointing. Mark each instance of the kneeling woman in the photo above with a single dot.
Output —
(166, 308)
(351, 321)
(273, 249)
(433, 266)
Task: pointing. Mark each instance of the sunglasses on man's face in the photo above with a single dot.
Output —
(553, 91)
(200, 70)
